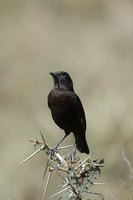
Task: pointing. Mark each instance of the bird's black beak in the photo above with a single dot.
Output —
(53, 74)
(56, 80)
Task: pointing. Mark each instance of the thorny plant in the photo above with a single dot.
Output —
(76, 176)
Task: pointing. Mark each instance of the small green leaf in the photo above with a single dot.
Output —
(101, 161)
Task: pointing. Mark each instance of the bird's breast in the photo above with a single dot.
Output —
(61, 105)
(60, 99)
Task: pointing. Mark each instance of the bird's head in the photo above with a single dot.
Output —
(62, 80)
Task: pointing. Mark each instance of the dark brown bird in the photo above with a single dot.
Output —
(67, 110)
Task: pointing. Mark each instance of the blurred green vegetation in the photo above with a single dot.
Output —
(93, 41)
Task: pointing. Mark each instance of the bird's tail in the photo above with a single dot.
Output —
(82, 145)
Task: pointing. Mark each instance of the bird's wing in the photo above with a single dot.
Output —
(79, 110)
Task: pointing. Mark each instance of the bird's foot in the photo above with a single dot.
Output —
(72, 156)
(52, 151)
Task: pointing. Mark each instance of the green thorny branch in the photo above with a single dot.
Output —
(76, 176)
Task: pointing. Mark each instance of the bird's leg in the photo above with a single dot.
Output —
(74, 152)
(60, 142)
(56, 146)
(72, 156)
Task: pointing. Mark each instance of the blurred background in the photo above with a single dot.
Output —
(91, 40)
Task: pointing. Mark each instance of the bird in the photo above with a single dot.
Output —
(67, 110)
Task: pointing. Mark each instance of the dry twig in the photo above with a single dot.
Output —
(76, 179)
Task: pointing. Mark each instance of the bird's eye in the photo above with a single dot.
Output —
(63, 74)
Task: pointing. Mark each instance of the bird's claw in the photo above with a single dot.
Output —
(51, 152)
(72, 156)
